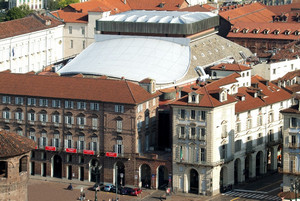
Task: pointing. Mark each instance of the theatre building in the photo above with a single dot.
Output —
(79, 123)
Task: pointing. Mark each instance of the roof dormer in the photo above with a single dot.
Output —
(266, 31)
(245, 30)
(193, 97)
(276, 31)
(297, 33)
(235, 30)
(287, 32)
(223, 95)
(255, 31)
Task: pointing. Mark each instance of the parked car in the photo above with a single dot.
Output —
(108, 187)
(97, 187)
(125, 190)
(136, 191)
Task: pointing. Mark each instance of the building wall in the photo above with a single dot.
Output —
(32, 51)
(291, 154)
(14, 187)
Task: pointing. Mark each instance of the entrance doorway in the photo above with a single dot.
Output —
(146, 176)
(194, 181)
(57, 166)
(162, 177)
(70, 172)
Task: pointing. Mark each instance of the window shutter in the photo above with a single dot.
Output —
(59, 118)
(116, 148)
(187, 131)
(59, 141)
(84, 121)
(84, 145)
(122, 149)
(22, 116)
(91, 146)
(78, 105)
(78, 144)
(97, 145)
(46, 141)
(3, 114)
(28, 116)
(116, 108)
(122, 109)
(40, 142)
(78, 120)
(72, 120)
(198, 133)
(66, 144)
(176, 153)
(16, 115)
(53, 118)
(41, 102)
(72, 144)
(41, 117)
(66, 119)
(92, 106)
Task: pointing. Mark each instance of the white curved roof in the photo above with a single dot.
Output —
(159, 17)
(134, 59)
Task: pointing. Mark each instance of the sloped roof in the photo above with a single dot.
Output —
(289, 51)
(196, 8)
(71, 17)
(254, 12)
(289, 10)
(26, 25)
(115, 6)
(156, 4)
(230, 67)
(217, 85)
(271, 94)
(207, 99)
(92, 89)
(261, 26)
(12, 144)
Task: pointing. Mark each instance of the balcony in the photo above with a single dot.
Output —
(19, 121)
(202, 138)
(31, 122)
(192, 137)
(6, 120)
(94, 128)
(69, 125)
(55, 124)
(294, 145)
(80, 126)
(181, 136)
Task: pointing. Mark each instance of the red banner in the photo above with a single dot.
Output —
(91, 152)
(111, 154)
(71, 150)
(50, 148)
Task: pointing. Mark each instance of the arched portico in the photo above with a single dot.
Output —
(223, 178)
(119, 170)
(259, 163)
(237, 171)
(145, 176)
(194, 181)
(162, 181)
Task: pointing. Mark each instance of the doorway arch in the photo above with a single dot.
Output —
(119, 169)
(237, 171)
(194, 181)
(162, 177)
(259, 163)
(57, 166)
(223, 178)
(146, 176)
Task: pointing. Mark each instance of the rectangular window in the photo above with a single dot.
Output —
(31, 116)
(6, 114)
(19, 100)
(71, 44)
(224, 131)
(140, 108)
(202, 115)
(202, 134)
(193, 132)
(182, 131)
(43, 102)
(81, 120)
(43, 118)
(94, 144)
(271, 117)
(81, 105)
(139, 125)
(249, 123)
(259, 120)
(203, 155)
(19, 116)
(293, 122)
(70, 29)
(182, 114)
(94, 106)
(119, 108)
(6, 99)
(82, 30)
(193, 114)
(94, 123)
(69, 104)
(69, 120)
(56, 103)
(31, 101)
(238, 127)
(259, 139)
(83, 44)
(119, 125)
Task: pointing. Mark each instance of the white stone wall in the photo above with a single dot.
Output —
(32, 51)
(33, 4)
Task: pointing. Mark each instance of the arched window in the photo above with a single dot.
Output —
(3, 169)
(23, 164)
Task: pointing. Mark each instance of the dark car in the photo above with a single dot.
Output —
(125, 190)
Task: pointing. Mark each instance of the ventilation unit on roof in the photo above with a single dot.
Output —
(243, 55)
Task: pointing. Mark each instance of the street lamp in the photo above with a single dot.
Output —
(295, 185)
(96, 169)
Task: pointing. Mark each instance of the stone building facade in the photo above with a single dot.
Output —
(86, 124)
(226, 132)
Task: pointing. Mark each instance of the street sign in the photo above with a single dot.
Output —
(50, 148)
(111, 154)
(153, 175)
(71, 150)
(91, 152)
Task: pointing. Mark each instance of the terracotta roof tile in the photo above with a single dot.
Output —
(71, 17)
(12, 144)
(157, 4)
(25, 25)
(230, 67)
(254, 12)
(196, 8)
(216, 85)
(74, 88)
(262, 26)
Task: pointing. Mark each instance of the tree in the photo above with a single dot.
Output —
(18, 12)
(52, 5)
(64, 3)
